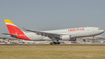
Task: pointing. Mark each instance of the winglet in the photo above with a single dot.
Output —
(25, 29)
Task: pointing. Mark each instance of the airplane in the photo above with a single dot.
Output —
(53, 35)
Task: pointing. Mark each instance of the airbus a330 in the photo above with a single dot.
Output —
(54, 35)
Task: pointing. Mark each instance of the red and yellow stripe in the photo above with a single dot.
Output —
(7, 21)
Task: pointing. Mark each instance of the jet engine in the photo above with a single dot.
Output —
(64, 37)
(67, 38)
(72, 39)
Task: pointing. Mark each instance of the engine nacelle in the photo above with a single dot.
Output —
(72, 39)
(67, 38)
(64, 37)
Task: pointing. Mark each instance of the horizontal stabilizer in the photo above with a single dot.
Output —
(10, 35)
(6, 34)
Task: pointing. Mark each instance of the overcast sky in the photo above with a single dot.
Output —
(52, 14)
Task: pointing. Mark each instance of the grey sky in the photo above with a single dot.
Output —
(52, 14)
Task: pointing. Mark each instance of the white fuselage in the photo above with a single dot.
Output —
(73, 32)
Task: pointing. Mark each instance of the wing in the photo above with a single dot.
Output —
(50, 35)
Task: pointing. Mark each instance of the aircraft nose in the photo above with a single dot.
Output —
(103, 31)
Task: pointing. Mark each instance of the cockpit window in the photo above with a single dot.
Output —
(99, 29)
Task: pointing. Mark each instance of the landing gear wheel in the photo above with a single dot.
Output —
(55, 43)
(51, 43)
(58, 43)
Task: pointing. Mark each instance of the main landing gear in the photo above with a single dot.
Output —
(54, 41)
(51, 43)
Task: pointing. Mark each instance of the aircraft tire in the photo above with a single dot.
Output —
(55, 43)
(51, 43)
(58, 43)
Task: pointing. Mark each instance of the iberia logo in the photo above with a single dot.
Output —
(76, 29)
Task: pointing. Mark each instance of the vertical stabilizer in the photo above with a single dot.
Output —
(14, 30)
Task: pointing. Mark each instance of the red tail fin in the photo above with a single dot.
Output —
(14, 30)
